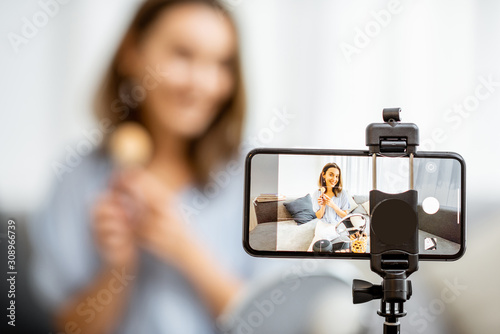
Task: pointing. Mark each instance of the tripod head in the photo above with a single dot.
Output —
(394, 223)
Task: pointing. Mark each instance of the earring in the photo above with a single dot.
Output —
(127, 92)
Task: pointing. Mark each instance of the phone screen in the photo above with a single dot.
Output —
(300, 202)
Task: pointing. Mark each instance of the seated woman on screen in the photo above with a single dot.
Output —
(330, 201)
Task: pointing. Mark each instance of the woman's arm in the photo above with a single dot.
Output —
(85, 312)
(335, 207)
(117, 247)
(166, 237)
(216, 287)
(322, 207)
(321, 212)
(341, 213)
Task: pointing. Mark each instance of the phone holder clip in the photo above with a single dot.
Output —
(392, 136)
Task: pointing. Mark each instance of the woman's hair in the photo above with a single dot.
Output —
(221, 140)
(322, 182)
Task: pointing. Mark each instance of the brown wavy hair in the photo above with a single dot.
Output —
(220, 142)
(322, 182)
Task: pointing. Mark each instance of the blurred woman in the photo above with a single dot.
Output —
(330, 201)
(145, 250)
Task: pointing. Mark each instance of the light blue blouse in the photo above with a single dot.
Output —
(65, 258)
(330, 215)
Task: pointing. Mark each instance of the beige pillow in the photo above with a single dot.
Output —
(352, 203)
(366, 206)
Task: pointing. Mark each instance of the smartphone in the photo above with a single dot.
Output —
(312, 202)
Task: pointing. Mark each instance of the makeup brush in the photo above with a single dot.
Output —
(130, 145)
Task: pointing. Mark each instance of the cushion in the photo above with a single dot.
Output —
(352, 203)
(360, 209)
(266, 212)
(360, 198)
(301, 209)
(366, 206)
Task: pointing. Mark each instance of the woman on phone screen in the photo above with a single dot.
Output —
(330, 201)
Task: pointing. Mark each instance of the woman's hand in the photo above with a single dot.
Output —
(157, 225)
(328, 201)
(113, 233)
(159, 228)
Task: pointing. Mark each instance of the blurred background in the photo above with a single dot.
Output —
(329, 67)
